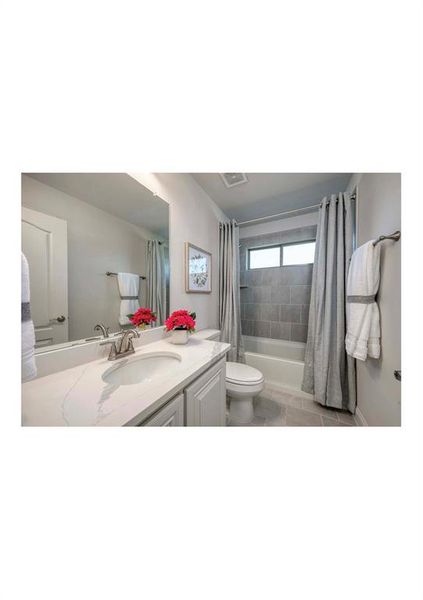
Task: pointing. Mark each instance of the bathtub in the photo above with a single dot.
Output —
(280, 361)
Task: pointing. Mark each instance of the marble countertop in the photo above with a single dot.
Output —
(78, 396)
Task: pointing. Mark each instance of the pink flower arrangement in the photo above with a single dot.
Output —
(181, 319)
(142, 317)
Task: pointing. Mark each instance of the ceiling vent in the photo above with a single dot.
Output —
(233, 179)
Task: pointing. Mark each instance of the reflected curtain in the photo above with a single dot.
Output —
(156, 279)
(229, 293)
(329, 374)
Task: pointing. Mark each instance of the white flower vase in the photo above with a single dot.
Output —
(179, 336)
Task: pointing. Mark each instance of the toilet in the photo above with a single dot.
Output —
(243, 383)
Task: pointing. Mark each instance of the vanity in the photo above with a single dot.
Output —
(159, 385)
(97, 246)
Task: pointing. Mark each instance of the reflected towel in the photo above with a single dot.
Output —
(363, 326)
(29, 369)
(129, 288)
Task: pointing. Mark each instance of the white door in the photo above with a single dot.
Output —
(205, 399)
(44, 243)
(171, 415)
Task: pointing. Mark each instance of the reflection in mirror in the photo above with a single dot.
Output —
(97, 248)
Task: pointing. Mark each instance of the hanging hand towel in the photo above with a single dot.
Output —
(363, 327)
(29, 369)
(129, 287)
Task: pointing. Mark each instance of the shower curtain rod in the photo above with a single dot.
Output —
(287, 212)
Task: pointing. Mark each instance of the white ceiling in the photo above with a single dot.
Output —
(268, 193)
(116, 193)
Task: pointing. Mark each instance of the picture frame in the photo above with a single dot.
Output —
(198, 270)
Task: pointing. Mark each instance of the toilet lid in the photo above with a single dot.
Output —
(242, 374)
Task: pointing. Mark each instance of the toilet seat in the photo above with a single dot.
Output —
(238, 374)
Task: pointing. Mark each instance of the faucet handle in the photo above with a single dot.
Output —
(104, 330)
(134, 332)
(113, 348)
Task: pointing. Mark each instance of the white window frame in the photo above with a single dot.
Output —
(281, 247)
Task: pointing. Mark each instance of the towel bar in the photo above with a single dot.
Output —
(393, 236)
(110, 273)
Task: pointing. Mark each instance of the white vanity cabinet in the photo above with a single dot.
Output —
(201, 404)
(205, 398)
(170, 415)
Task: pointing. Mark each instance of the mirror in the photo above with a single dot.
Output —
(97, 246)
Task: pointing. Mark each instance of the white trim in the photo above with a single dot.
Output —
(359, 417)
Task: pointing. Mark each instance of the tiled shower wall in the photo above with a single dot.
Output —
(275, 303)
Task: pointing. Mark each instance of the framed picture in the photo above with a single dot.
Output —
(198, 270)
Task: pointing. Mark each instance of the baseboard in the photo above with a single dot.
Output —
(359, 417)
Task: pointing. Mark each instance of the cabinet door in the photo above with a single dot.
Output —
(205, 399)
(171, 415)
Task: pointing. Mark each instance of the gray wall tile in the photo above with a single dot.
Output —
(305, 310)
(280, 294)
(247, 327)
(299, 333)
(270, 275)
(262, 328)
(251, 311)
(275, 303)
(269, 312)
(300, 294)
(255, 277)
(260, 294)
(290, 313)
(280, 331)
(298, 275)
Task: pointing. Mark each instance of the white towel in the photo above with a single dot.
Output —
(363, 326)
(29, 369)
(129, 287)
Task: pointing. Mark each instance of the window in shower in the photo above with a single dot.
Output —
(282, 255)
(301, 253)
(261, 258)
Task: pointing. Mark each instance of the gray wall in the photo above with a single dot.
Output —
(275, 303)
(97, 242)
(379, 212)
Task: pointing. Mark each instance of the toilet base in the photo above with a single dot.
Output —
(241, 410)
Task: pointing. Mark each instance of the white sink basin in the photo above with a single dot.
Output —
(144, 368)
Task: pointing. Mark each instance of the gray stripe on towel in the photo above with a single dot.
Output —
(129, 297)
(25, 312)
(361, 299)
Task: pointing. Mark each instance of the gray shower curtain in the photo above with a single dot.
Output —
(229, 294)
(156, 280)
(329, 373)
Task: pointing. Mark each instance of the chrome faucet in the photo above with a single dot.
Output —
(104, 330)
(122, 346)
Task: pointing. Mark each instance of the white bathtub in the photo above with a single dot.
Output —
(280, 361)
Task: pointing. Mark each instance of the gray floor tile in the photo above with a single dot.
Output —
(264, 407)
(296, 417)
(332, 423)
(256, 422)
(274, 408)
(287, 399)
(317, 408)
(266, 393)
(276, 422)
(346, 418)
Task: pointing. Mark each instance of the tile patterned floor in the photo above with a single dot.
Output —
(274, 408)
